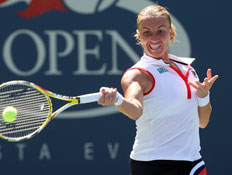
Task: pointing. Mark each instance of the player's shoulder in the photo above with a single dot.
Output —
(136, 75)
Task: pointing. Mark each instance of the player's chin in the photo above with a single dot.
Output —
(155, 53)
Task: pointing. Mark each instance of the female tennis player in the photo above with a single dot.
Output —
(163, 94)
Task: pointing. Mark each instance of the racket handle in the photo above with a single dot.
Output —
(88, 98)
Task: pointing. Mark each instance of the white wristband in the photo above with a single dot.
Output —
(203, 101)
(120, 99)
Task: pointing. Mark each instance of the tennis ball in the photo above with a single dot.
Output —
(9, 114)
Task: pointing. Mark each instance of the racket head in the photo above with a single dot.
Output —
(34, 110)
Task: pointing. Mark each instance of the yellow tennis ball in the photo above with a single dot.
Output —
(9, 114)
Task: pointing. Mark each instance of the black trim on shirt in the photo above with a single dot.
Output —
(179, 62)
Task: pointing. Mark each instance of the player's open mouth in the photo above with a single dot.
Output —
(155, 47)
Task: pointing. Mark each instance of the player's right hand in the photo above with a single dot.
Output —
(108, 96)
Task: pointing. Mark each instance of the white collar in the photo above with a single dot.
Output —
(184, 60)
(147, 59)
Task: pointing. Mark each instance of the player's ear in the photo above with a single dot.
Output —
(137, 36)
(171, 35)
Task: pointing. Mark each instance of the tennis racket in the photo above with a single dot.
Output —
(34, 108)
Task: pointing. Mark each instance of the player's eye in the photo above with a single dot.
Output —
(146, 32)
(161, 31)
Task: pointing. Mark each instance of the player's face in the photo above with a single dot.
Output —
(154, 35)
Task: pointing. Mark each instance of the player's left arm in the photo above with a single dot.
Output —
(202, 92)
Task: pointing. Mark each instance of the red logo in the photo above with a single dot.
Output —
(203, 172)
(36, 7)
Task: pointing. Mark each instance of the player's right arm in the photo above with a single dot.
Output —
(134, 84)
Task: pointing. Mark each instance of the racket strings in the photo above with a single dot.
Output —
(32, 107)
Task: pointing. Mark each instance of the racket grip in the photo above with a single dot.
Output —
(88, 98)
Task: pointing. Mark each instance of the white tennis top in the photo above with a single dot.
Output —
(169, 126)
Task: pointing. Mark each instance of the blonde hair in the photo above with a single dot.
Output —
(156, 11)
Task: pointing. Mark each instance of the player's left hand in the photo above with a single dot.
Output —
(204, 87)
